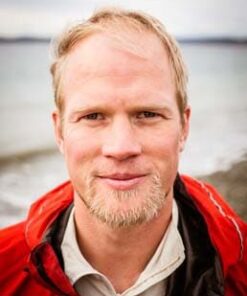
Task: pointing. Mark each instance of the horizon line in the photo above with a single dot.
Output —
(190, 39)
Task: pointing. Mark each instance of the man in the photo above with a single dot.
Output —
(126, 223)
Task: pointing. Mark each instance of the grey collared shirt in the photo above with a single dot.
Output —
(152, 281)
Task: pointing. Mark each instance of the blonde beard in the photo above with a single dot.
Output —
(153, 200)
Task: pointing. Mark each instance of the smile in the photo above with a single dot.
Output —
(122, 181)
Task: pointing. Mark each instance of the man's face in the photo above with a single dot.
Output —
(121, 133)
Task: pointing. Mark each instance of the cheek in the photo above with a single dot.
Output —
(167, 153)
(165, 143)
(163, 153)
(74, 153)
(79, 149)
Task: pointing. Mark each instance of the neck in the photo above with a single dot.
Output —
(120, 254)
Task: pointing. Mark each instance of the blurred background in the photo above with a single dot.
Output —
(213, 38)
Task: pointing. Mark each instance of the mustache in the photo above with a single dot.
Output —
(119, 169)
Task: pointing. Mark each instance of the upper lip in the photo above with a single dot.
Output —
(120, 176)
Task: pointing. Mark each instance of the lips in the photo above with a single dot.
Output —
(122, 181)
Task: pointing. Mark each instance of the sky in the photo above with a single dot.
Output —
(183, 18)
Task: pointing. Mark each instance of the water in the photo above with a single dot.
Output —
(29, 163)
(218, 96)
(26, 98)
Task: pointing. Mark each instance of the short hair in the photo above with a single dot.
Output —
(118, 20)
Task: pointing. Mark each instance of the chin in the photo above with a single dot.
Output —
(123, 208)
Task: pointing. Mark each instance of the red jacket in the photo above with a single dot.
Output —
(19, 274)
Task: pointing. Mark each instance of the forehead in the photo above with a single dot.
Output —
(100, 52)
(136, 65)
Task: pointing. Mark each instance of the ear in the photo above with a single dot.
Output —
(185, 128)
(58, 129)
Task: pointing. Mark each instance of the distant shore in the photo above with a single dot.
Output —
(180, 39)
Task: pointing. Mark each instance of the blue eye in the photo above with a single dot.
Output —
(147, 114)
(93, 116)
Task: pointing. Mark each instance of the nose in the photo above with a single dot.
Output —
(121, 142)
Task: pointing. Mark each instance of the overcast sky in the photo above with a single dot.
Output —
(184, 18)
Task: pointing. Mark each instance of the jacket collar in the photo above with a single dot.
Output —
(45, 217)
(45, 211)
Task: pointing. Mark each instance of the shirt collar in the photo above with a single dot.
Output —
(168, 256)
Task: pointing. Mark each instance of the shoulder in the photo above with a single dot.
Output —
(13, 256)
(12, 243)
(228, 232)
(15, 279)
(212, 205)
(18, 241)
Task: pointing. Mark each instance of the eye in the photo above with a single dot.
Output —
(147, 114)
(93, 116)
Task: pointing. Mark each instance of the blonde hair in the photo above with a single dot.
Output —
(115, 20)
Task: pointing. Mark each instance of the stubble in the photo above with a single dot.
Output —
(109, 206)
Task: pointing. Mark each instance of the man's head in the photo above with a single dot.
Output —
(118, 23)
(118, 123)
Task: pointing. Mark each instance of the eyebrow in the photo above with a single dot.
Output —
(154, 107)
